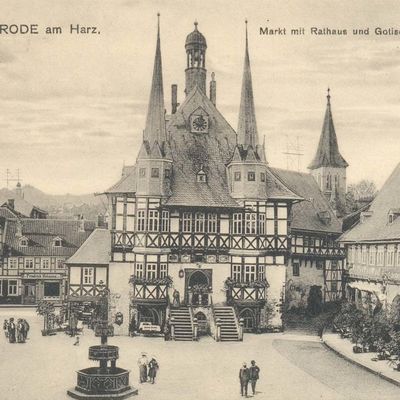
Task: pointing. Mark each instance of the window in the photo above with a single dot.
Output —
(141, 220)
(262, 176)
(261, 272)
(334, 287)
(12, 263)
(153, 221)
(320, 264)
(51, 289)
(88, 276)
(237, 176)
(165, 221)
(251, 219)
(163, 270)
(28, 263)
(199, 222)
(139, 270)
(236, 272)
(151, 271)
(60, 263)
(212, 223)
(142, 172)
(249, 273)
(187, 222)
(23, 242)
(45, 263)
(251, 176)
(12, 288)
(261, 224)
(57, 242)
(237, 223)
(390, 258)
(167, 173)
(334, 265)
(155, 172)
(201, 176)
(1, 287)
(329, 182)
(379, 258)
(296, 269)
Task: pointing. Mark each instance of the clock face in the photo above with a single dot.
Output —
(199, 123)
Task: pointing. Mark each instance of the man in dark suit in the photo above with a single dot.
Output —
(244, 379)
(254, 374)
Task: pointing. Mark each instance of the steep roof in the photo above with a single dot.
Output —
(191, 151)
(127, 183)
(310, 214)
(155, 121)
(95, 250)
(41, 234)
(6, 212)
(247, 126)
(377, 226)
(328, 154)
(21, 206)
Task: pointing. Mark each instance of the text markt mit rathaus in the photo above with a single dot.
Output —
(378, 31)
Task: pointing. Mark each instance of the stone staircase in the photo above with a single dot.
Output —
(183, 324)
(229, 323)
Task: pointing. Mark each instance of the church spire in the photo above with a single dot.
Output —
(328, 154)
(155, 121)
(247, 126)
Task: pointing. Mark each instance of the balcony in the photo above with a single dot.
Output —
(146, 290)
(246, 292)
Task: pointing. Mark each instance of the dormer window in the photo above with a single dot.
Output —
(262, 176)
(201, 176)
(237, 176)
(325, 217)
(57, 242)
(167, 173)
(393, 214)
(23, 242)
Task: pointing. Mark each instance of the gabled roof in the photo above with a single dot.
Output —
(41, 234)
(21, 206)
(95, 250)
(310, 214)
(377, 226)
(328, 154)
(189, 151)
(7, 212)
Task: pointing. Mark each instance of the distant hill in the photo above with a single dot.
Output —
(62, 206)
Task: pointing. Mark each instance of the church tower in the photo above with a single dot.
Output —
(328, 166)
(195, 72)
(248, 167)
(154, 163)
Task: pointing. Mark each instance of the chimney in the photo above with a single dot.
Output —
(11, 203)
(18, 232)
(213, 89)
(174, 98)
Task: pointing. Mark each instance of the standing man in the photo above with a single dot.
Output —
(244, 379)
(11, 331)
(142, 363)
(254, 374)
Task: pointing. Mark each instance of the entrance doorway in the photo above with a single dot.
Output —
(249, 321)
(202, 323)
(29, 293)
(198, 284)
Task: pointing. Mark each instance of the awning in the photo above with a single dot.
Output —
(373, 288)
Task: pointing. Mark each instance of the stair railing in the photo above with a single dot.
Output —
(193, 322)
(239, 323)
(215, 325)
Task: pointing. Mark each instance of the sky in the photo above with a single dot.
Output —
(73, 106)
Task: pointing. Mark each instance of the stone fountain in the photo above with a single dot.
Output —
(105, 381)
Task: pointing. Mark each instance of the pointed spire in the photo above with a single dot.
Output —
(247, 127)
(155, 121)
(328, 154)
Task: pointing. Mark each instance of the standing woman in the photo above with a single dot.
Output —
(11, 331)
(153, 368)
(5, 328)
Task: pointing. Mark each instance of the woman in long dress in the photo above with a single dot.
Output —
(153, 368)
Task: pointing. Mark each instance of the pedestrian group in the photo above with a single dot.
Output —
(147, 369)
(16, 332)
(247, 375)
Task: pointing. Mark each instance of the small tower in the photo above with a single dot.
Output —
(196, 72)
(248, 167)
(154, 162)
(328, 166)
(18, 190)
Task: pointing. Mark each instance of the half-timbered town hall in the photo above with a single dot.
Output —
(200, 225)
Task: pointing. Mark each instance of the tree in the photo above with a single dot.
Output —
(359, 194)
(45, 309)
